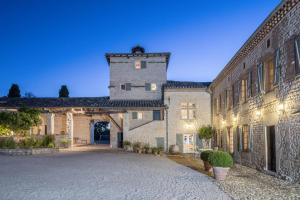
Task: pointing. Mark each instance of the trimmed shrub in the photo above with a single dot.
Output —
(47, 139)
(51, 145)
(137, 146)
(220, 159)
(205, 132)
(126, 143)
(7, 143)
(205, 154)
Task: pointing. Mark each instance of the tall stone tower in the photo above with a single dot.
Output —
(137, 75)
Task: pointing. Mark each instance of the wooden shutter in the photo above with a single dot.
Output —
(134, 115)
(179, 141)
(238, 138)
(241, 138)
(128, 86)
(277, 74)
(249, 84)
(254, 81)
(143, 64)
(290, 66)
(250, 138)
(297, 52)
(147, 86)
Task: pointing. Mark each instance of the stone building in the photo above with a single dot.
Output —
(256, 109)
(142, 107)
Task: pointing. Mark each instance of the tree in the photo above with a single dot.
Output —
(14, 91)
(21, 121)
(205, 133)
(64, 92)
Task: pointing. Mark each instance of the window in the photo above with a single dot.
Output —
(139, 64)
(260, 78)
(137, 115)
(268, 43)
(269, 75)
(153, 87)
(126, 86)
(226, 100)
(188, 111)
(297, 54)
(277, 73)
(245, 137)
(157, 115)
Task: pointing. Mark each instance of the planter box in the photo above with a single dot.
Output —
(24, 152)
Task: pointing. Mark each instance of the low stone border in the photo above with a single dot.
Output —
(24, 152)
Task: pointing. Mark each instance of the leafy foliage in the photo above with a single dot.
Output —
(14, 91)
(20, 121)
(127, 143)
(7, 143)
(4, 131)
(205, 154)
(205, 132)
(63, 92)
(220, 159)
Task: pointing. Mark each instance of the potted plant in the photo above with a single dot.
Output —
(174, 149)
(204, 157)
(137, 147)
(127, 146)
(155, 150)
(147, 148)
(221, 162)
(205, 133)
(160, 150)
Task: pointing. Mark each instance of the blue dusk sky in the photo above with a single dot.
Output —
(47, 43)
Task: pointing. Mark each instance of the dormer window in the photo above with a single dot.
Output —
(139, 64)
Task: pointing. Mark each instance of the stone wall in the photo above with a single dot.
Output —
(262, 110)
(173, 99)
(122, 71)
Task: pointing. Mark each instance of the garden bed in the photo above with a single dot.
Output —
(24, 152)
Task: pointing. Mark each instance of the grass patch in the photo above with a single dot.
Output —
(190, 162)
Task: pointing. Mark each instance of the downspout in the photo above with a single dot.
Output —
(167, 129)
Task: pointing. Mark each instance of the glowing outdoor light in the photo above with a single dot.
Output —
(280, 107)
(258, 113)
(234, 118)
(223, 123)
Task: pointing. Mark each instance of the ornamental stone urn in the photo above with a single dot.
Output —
(174, 149)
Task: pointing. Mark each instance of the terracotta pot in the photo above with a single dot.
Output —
(220, 173)
(207, 166)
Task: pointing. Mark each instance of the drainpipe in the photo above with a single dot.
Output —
(167, 129)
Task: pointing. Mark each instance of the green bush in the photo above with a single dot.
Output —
(220, 159)
(27, 143)
(7, 143)
(205, 132)
(126, 143)
(154, 150)
(51, 145)
(136, 146)
(47, 139)
(205, 154)
(64, 143)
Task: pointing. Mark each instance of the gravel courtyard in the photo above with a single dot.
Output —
(101, 175)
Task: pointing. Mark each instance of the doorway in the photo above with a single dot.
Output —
(230, 139)
(102, 132)
(271, 149)
(188, 143)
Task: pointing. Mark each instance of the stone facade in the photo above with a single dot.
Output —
(179, 127)
(248, 106)
(123, 71)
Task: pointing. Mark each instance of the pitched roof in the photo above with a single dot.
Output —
(109, 55)
(185, 84)
(98, 102)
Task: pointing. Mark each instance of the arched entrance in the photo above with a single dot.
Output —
(102, 132)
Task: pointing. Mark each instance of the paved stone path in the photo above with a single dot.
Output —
(101, 175)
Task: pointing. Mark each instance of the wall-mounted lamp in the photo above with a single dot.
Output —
(223, 123)
(234, 118)
(258, 113)
(280, 107)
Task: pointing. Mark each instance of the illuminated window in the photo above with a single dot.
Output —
(188, 111)
(153, 87)
(139, 64)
